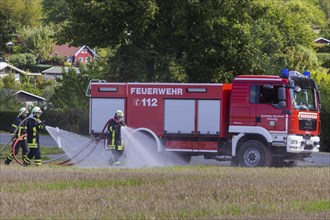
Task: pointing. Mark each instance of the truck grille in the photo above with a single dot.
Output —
(307, 125)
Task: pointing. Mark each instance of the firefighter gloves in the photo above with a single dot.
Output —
(121, 123)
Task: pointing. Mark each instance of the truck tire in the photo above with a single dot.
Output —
(254, 153)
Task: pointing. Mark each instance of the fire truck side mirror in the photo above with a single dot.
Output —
(281, 94)
(281, 97)
(297, 89)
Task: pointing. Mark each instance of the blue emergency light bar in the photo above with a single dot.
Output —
(307, 74)
(285, 73)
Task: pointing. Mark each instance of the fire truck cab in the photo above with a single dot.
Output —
(257, 120)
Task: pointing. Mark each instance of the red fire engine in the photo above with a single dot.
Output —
(258, 120)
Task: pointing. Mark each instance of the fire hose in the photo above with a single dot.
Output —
(14, 133)
(66, 162)
(19, 162)
(85, 147)
(14, 147)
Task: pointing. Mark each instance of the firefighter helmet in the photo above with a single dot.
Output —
(36, 110)
(22, 111)
(119, 113)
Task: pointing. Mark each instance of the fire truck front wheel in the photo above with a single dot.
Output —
(254, 153)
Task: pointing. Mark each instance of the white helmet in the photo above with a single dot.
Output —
(119, 113)
(36, 110)
(22, 111)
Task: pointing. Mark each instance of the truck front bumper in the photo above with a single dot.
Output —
(299, 144)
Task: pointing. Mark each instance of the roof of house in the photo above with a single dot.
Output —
(29, 94)
(58, 70)
(66, 50)
(322, 39)
(93, 52)
(4, 65)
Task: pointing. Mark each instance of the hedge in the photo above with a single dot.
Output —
(74, 120)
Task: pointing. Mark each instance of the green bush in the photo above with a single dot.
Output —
(323, 81)
(37, 68)
(322, 48)
(7, 119)
(22, 59)
(325, 131)
(75, 121)
(324, 59)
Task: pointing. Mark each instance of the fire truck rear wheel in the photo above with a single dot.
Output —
(254, 153)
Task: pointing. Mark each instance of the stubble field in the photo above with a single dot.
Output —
(182, 192)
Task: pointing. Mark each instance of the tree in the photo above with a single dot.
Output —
(71, 93)
(8, 28)
(37, 40)
(322, 78)
(8, 101)
(55, 12)
(206, 40)
(9, 82)
(15, 14)
(22, 59)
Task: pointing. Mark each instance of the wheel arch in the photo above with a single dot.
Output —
(248, 137)
(246, 133)
(150, 133)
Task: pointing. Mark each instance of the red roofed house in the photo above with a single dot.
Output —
(74, 55)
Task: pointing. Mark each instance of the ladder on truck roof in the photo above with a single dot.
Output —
(88, 90)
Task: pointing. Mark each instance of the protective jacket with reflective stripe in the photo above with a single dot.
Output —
(114, 137)
(33, 128)
(18, 128)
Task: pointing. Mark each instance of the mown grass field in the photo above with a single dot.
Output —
(182, 192)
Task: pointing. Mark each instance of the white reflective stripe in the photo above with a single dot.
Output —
(258, 79)
(185, 150)
(207, 151)
(191, 150)
(277, 132)
(251, 130)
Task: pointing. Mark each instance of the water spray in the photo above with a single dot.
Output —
(58, 138)
(98, 139)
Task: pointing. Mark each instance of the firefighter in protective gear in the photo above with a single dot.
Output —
(115, 142)
(34, 125)
(18, 128)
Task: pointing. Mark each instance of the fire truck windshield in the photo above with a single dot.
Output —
(305, 99)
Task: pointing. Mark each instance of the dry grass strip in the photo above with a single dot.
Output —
(191, 192)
